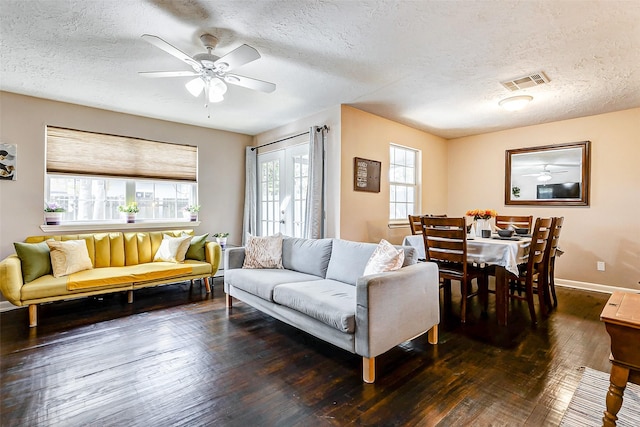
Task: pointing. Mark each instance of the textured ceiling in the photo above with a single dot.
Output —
(434, 65)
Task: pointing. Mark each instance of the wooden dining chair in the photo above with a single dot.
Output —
(415, 225)
(505, 221)
(551, 252)
(532, 277)
(445, 243)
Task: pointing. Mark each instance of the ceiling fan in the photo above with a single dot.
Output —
(545, 174)
(211, 72)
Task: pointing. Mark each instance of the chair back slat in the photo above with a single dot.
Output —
(514, 221)
(415, 225)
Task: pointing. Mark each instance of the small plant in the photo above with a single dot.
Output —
(515, 191)
(53, 207)
(481, 213)
(130, 208)
(192, 208)
(221, 235)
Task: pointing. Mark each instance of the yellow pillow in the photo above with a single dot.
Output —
(173, 249)
(69, 257)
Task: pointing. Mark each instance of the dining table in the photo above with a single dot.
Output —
(503, 253)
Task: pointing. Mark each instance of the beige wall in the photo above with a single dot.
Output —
(364, 215)
(608, 230)
(23, 120)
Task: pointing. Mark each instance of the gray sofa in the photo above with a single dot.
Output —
(321, 291)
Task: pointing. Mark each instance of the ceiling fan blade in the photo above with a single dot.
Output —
(236, 58)
(174, 51)
(250, 83)
(167, 73)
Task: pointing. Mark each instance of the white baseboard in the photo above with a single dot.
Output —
(595, 287)
(6, 306)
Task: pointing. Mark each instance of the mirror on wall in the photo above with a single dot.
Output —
(552, 175)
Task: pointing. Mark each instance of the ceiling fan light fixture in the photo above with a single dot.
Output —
(515, 103)
(544, 177)
(195, 86)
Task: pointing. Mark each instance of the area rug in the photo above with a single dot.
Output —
(589, 402)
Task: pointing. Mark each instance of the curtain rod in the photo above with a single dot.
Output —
(325, 127)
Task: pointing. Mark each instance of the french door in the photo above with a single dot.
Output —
(282, 190)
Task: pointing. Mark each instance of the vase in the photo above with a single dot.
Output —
(52, 218)
(222, 241)
(193, 217)
(131, 218)
(482, 224)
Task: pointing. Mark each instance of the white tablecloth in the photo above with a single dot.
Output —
(506, 253)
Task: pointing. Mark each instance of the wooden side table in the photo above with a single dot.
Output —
(621, 317)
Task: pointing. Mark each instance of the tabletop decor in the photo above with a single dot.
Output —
(130, 210)
(221, 238)
(192, 211)
(53, 213)
(481, 219)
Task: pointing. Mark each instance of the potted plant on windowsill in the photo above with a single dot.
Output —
(130, 210)
(53, 213)
(191, 211)
(221, 238)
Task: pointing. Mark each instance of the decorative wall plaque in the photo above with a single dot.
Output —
(366, 175)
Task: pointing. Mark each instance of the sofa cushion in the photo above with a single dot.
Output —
(35, 260)
(261, 283)
(69, 257)
(263, 252)
(385, 257)
(348, 260)
(196, 248)
(309, 256)
(172, 249)
(329, 301)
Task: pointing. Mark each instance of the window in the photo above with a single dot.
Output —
(404, 183)
(91, 174)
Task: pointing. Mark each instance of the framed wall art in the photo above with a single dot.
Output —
(366, 175)
(8, 157)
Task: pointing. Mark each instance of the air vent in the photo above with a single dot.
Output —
(533, 79)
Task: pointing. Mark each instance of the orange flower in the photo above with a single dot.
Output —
(481, 213)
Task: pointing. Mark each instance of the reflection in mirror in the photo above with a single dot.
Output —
(548, 175)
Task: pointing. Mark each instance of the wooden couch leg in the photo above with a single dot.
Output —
(433, 335)
(228, 300)
(129, 297)
(206, 285)
(33, 315)
(369, 369)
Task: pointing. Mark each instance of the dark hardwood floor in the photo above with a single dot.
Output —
(175, 357)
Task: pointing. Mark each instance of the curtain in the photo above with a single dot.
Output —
(314, 221)
(249, 223)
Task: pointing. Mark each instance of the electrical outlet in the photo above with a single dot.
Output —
(600, 265)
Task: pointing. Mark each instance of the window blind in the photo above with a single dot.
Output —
(78, 152)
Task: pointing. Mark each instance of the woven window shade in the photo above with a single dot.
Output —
(87, 153)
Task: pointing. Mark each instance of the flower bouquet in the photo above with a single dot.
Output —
(481, 218)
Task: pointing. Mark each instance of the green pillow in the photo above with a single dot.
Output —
(196, 249)
(35, 259)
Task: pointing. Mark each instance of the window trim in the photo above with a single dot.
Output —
(418, 184)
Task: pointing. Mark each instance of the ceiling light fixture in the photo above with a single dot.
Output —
(215, 88)
(515, 103)
(544, 177)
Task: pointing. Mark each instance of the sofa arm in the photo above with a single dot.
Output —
(11, 279)
(233, 258)
(213, 255)
(395, 307)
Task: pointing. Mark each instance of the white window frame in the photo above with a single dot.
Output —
(412, 182)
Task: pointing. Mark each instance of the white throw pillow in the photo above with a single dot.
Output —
(68, 257)
(384, 258)
(263, 252)
(173, 249)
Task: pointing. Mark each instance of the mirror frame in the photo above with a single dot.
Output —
(585, 146)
